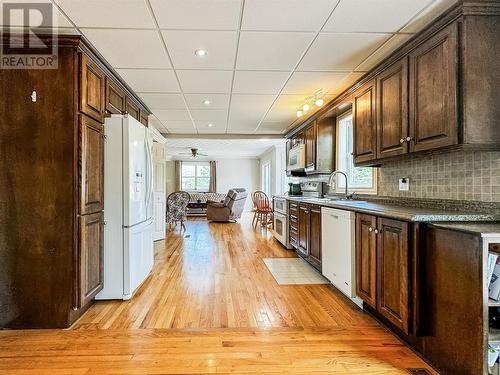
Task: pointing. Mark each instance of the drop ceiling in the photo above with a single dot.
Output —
(264, 57)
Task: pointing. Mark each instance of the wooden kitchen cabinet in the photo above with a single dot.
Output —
(310, 141)
(304, 223)
(366, 259)
(325, 145)
(132, 109)
(382, 267)
(392, 110)
(305, 231)
(143, 117)
(315, 237)
(393, 271)
(115, 98)
(56, 188)
(91, 257)
(433, 91)
(364, 122)
(92, 88)
(91, 165)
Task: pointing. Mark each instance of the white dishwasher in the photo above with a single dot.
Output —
(338, 250)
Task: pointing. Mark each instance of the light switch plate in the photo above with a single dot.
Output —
(404, 184)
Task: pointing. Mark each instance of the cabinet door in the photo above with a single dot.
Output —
(366, 259)
(325, 145)
(392, 110)
(144, 117)
(115, 98)
(92, 88)
(315, 237)
(288, 147)
(310, 139)
(433, 91)
(132, 109)
(90, 259)
(393, 271)
(304, 229)
(91, 166)
(364, 123)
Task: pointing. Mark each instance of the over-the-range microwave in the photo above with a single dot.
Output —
(297, 157)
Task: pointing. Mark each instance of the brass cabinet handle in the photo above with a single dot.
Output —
(402, 141)
(370, 229)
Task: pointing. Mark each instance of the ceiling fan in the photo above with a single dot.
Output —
(194, 153)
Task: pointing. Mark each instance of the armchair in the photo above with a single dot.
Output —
(229, 210)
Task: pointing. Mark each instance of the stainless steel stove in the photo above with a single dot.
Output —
(315, 189)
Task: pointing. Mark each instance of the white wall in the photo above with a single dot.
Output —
(170, 176)
(275, 155)
(238, 173)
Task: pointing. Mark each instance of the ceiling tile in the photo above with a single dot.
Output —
(250, 106)
(427, 15)
(219, 125)
(258, 82)
(285, 108)
(205, 81)
(116, 47)
(235, 130)
(182, 130)
(209, 114)
(307, 83)
(131, 14)
(168, 115)
(163, 101)
(373, 16)
(150, 80)
(346, 83)
(350, 51)
(16, 18)
(385, 50)
(220, 47)
(271, 51)
(286, 15)
(177, 124)
(197, 14)
(217, 101)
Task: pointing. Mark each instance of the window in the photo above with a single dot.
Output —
(266, 178)
(195, 176)
(360, 179)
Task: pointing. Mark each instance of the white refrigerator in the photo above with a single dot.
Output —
(128, 213)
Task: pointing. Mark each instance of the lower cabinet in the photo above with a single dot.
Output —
(90, 257)
(309, 234)
(304, 226)
(382, 267)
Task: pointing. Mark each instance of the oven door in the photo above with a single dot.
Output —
(280, 205)
(281, 228)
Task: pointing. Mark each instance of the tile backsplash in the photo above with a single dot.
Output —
(463, 175)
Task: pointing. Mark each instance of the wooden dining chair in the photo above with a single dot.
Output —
(263, 211)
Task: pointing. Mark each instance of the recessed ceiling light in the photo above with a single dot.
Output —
(210, 125)
(200, 52)
(206, 102)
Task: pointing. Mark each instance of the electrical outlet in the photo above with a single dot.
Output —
(404, 184)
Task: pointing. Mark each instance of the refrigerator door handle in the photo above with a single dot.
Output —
(149, 169)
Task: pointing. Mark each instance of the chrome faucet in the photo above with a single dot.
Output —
(330, 180)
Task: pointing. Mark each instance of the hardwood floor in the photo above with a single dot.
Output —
(211, 306)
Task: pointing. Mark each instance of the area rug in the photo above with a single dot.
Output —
(293, 271)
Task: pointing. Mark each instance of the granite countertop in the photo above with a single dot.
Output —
(484, 229)
(402, 211)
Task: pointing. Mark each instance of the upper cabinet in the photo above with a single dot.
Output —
(433, 92)
(319, 140)
(392, 114)
(364, 123)
(132, 109)
(436, 93)
(92, 88)
(115, 98)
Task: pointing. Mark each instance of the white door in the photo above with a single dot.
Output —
(159, 194)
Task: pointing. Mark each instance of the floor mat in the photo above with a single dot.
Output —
(293, 271)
